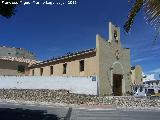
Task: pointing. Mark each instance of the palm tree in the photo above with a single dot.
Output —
(8, 10)
(152, 13)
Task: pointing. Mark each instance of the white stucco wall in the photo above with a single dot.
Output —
(80, 85)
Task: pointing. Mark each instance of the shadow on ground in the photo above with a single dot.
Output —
(25, 114)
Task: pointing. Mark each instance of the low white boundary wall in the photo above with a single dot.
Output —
(80, 85)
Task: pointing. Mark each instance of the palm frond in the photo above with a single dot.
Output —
(152, 13)
(8, 10)
(135, 9)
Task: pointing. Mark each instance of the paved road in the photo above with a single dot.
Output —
(66, 113)
(60, 111)
(83, 114)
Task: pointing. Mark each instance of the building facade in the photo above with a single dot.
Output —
(152, 86)
(109, 62)
(16, 52)
(13, 68)
(15, 61)
(136, 75)
(76, 64)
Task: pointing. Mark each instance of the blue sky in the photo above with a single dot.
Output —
(51, 31)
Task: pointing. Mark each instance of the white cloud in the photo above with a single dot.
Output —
(142, 59)
(154, 71)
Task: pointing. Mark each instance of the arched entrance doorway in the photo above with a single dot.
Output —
(117, 84)
(117, 73)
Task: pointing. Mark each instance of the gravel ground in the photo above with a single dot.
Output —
(65, 98)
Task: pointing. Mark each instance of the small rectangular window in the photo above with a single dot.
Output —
(141, 89)
(157, 82)
(135, 89)
(51, 70)
(64, 68)
(41, 71)
(21, 68)
(32, 72)
(81, 65)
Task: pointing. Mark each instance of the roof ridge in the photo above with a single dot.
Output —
(67, 55)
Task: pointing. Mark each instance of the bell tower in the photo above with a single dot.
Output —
(114, 33)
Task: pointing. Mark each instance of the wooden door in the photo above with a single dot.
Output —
(117, 84)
